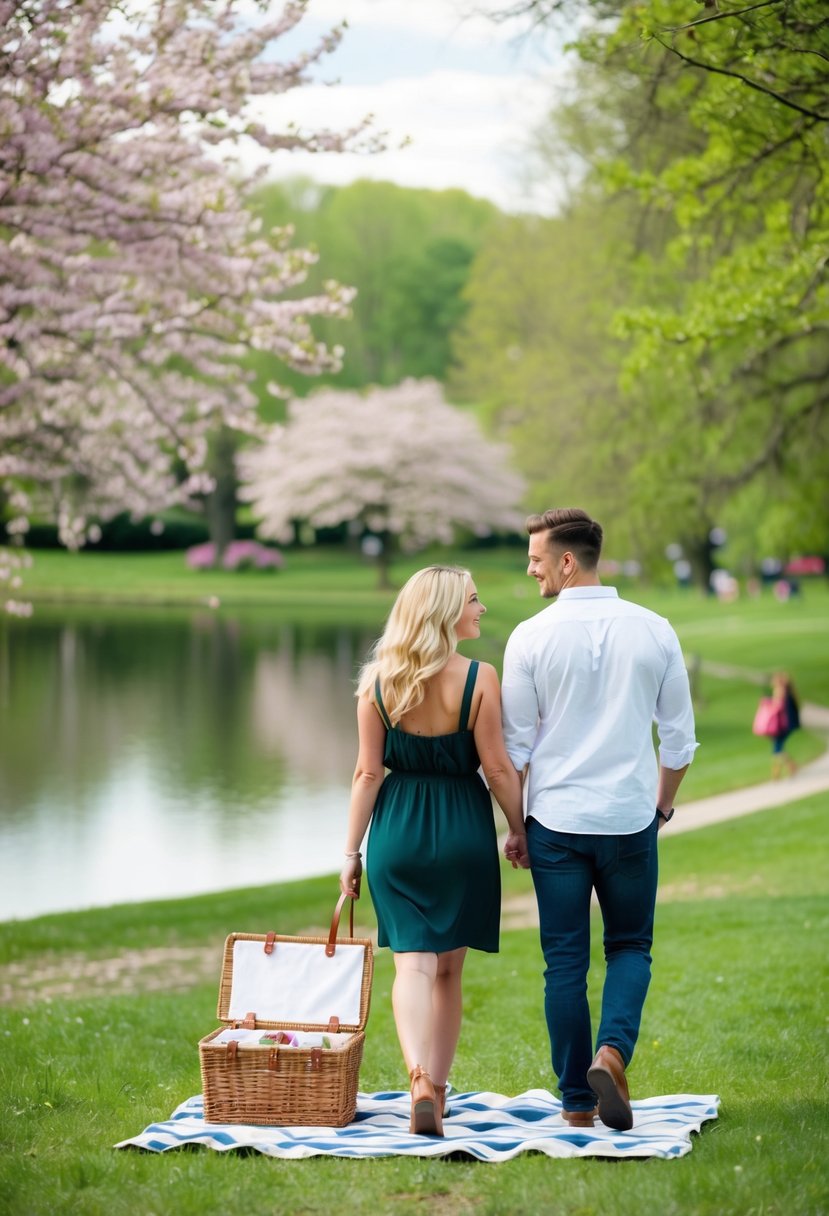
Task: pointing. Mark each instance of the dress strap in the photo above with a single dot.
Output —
(380, 705)
(469, 688)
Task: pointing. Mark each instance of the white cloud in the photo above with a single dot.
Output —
(439, 19)
(467, 93)
(465, 130)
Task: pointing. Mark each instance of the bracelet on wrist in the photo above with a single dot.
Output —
(356, 853)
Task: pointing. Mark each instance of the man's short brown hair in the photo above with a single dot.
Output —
(573, 529)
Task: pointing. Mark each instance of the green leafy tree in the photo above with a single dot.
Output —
(407, 253)
(533, 349)
(712, 126)
(744, 352)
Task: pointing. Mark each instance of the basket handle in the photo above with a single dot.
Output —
(335, 923)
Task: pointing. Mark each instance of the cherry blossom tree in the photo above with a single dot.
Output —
(132, 278)
(402, 462)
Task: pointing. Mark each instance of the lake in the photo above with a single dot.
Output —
(158, 753)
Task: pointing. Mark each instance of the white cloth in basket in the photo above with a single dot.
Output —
(296, 983)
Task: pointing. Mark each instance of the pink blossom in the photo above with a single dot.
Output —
(132, 277)
(399, 460)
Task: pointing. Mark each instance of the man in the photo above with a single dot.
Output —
(583, 682)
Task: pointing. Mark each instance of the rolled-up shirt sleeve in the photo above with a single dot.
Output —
(519, 706)
(675, 714)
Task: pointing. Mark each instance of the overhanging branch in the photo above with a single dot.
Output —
(752, 84)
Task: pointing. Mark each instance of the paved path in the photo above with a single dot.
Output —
(810, 779)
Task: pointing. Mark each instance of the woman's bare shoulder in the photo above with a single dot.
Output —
(488, 676)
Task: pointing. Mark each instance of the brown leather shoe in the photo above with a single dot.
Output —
(606, 1077)
(427, 1116)
(579, 1118)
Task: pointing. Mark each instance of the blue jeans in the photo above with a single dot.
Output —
(566, 868)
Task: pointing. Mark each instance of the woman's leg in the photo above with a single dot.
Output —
(776, 756)
(411, 997)
(791, 767)
(447, 1012)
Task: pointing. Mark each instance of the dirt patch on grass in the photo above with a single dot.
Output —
(721, 888)
(51, 977)
(435, 1203)
(521, 911)
(73, 976)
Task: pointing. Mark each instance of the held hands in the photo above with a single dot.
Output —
(350, 876)
(515, 850)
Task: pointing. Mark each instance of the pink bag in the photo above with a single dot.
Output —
(770, 718)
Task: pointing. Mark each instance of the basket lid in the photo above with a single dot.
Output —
(303, 982)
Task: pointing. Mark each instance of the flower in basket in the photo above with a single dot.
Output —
(283, 1037)
(239, 555)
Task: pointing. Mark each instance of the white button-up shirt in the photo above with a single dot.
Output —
(583, 682)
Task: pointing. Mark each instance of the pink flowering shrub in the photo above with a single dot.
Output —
(239, 555)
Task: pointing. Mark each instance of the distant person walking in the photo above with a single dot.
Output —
(583, 682)
(784, 695)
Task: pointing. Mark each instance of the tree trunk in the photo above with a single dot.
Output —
(222, 501)
(384, 560)
(700, 554)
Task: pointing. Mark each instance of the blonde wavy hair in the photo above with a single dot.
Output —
(418, 640)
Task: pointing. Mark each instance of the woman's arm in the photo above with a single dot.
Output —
(501, 775)
(365, 785)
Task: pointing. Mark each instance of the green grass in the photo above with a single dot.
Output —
(164, 579)
(737, 1007)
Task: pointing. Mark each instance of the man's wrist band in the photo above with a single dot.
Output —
(666, 815)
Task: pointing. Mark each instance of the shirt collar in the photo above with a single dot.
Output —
(588, 593)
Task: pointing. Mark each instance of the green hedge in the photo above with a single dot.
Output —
(122, 534)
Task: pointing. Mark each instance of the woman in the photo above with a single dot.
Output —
(783, 694)
(432, 718)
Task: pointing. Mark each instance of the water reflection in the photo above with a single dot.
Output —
(165, 754)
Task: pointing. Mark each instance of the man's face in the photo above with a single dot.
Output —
(545, 566)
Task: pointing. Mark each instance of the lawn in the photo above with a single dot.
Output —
(737, 1007)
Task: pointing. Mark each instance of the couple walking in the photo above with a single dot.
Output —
(583, 682)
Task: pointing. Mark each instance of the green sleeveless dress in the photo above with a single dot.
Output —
(432, 854)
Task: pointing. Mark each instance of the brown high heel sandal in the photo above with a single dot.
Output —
(427, 1116)
(440, 1094)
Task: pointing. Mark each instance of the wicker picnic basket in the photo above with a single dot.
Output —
(273, 983)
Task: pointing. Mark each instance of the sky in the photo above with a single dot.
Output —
(463, 92)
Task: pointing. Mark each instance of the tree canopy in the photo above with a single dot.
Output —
(132, 277)
(407, 252)
(703, 142)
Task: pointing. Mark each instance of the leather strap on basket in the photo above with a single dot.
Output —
(335, 923)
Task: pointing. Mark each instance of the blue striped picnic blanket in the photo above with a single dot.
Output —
(485, 1126)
